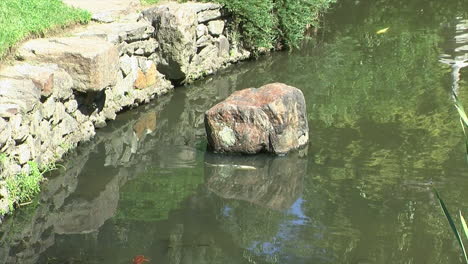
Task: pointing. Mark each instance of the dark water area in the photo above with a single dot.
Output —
(383, 132)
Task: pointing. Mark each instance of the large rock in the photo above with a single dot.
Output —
(176, 33)
(177, 29)
(18, 95)
(48, 78)
(216, 27)
(272, 118)
(92, 62)
(209, 15)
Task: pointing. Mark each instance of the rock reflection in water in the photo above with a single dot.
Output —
(269, 181)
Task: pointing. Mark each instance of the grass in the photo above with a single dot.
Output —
(3, 157)
(23, 187)
(463, 120)
(149, 2)
(20, 19)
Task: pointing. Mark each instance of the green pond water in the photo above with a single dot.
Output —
(383, 133)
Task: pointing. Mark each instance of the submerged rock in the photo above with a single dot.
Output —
(272, 118)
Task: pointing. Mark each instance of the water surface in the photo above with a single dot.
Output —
(383, 132)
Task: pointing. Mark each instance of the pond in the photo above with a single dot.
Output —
(383, 132)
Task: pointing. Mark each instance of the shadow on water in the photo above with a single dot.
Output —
(383, 134)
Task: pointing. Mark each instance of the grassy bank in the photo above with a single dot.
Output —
(20, 19)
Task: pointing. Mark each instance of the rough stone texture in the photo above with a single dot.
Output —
(204, 41)
(200, 7)
(9, 110)
(191, 44)
(91, 62)
(5, 132)
(216, 27)
(208, 15)
(21, 92)
(202, 30)
(146, 79)
(49, 78)
(223, 46)
(206, 61)
(175, 26)
(118, 32)
(272, 118)
(144, 47)
(23, 154)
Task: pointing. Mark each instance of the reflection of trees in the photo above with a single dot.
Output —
(151, 197)
(383, 131)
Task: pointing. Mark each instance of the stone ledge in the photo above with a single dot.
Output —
(118, 32)
(91, 62)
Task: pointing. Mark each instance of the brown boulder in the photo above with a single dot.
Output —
(146, 79)
(272, 118)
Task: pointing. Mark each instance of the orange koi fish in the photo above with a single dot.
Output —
(139, 259)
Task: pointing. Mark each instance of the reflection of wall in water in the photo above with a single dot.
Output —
(64, 207)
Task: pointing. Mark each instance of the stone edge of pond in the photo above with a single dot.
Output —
(62, 89)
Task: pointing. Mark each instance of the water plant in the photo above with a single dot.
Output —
(464, 125)
(454, 227)
(463, 120)
(24, 186)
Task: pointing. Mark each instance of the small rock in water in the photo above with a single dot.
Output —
(272, 118)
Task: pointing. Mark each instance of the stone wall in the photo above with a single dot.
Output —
(61, 89)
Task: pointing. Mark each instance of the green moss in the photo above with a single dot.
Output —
(20, 19)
